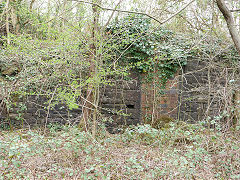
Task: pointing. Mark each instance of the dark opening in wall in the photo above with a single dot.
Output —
(130, 106)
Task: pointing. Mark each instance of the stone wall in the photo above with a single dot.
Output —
(157, 104)
(204, 89)
(200, 90)
(37, 113)
(195, 93)
(120, 101)
(193, 96)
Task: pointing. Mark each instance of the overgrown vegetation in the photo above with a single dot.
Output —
(61, 56)
(158, 52)
(181, 151)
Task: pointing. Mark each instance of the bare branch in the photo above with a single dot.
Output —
(230, 23)
(235, 10)
(135, 12)
(109, 19)
(178, 12)
(31, 5)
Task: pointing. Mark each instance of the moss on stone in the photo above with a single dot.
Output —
(161, 122)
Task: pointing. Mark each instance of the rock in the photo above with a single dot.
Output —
(10, 71)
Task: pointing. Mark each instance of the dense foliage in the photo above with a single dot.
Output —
(154, 50)
(56, 54)
(178, 152)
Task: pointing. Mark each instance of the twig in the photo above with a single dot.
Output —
(235, 10)
(48, 109)
(109, 19)
(178, 12)
(135, 12)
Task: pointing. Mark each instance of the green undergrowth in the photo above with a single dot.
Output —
(180, 151)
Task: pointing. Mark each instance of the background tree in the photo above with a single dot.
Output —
(236, 39)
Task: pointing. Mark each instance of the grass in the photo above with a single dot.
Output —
(177, 152)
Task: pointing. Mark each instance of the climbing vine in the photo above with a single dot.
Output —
(153, 51)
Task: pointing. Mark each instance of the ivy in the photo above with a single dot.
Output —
(148, 49)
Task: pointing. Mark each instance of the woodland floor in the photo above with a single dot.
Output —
(177, 152)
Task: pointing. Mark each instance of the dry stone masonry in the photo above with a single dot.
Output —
(189, 96)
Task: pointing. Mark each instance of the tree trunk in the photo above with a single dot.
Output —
(64, 16)
(230, 23)
(236, 39)
(92, 89)
(7, 23)
(31, 5)
(14, 17)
